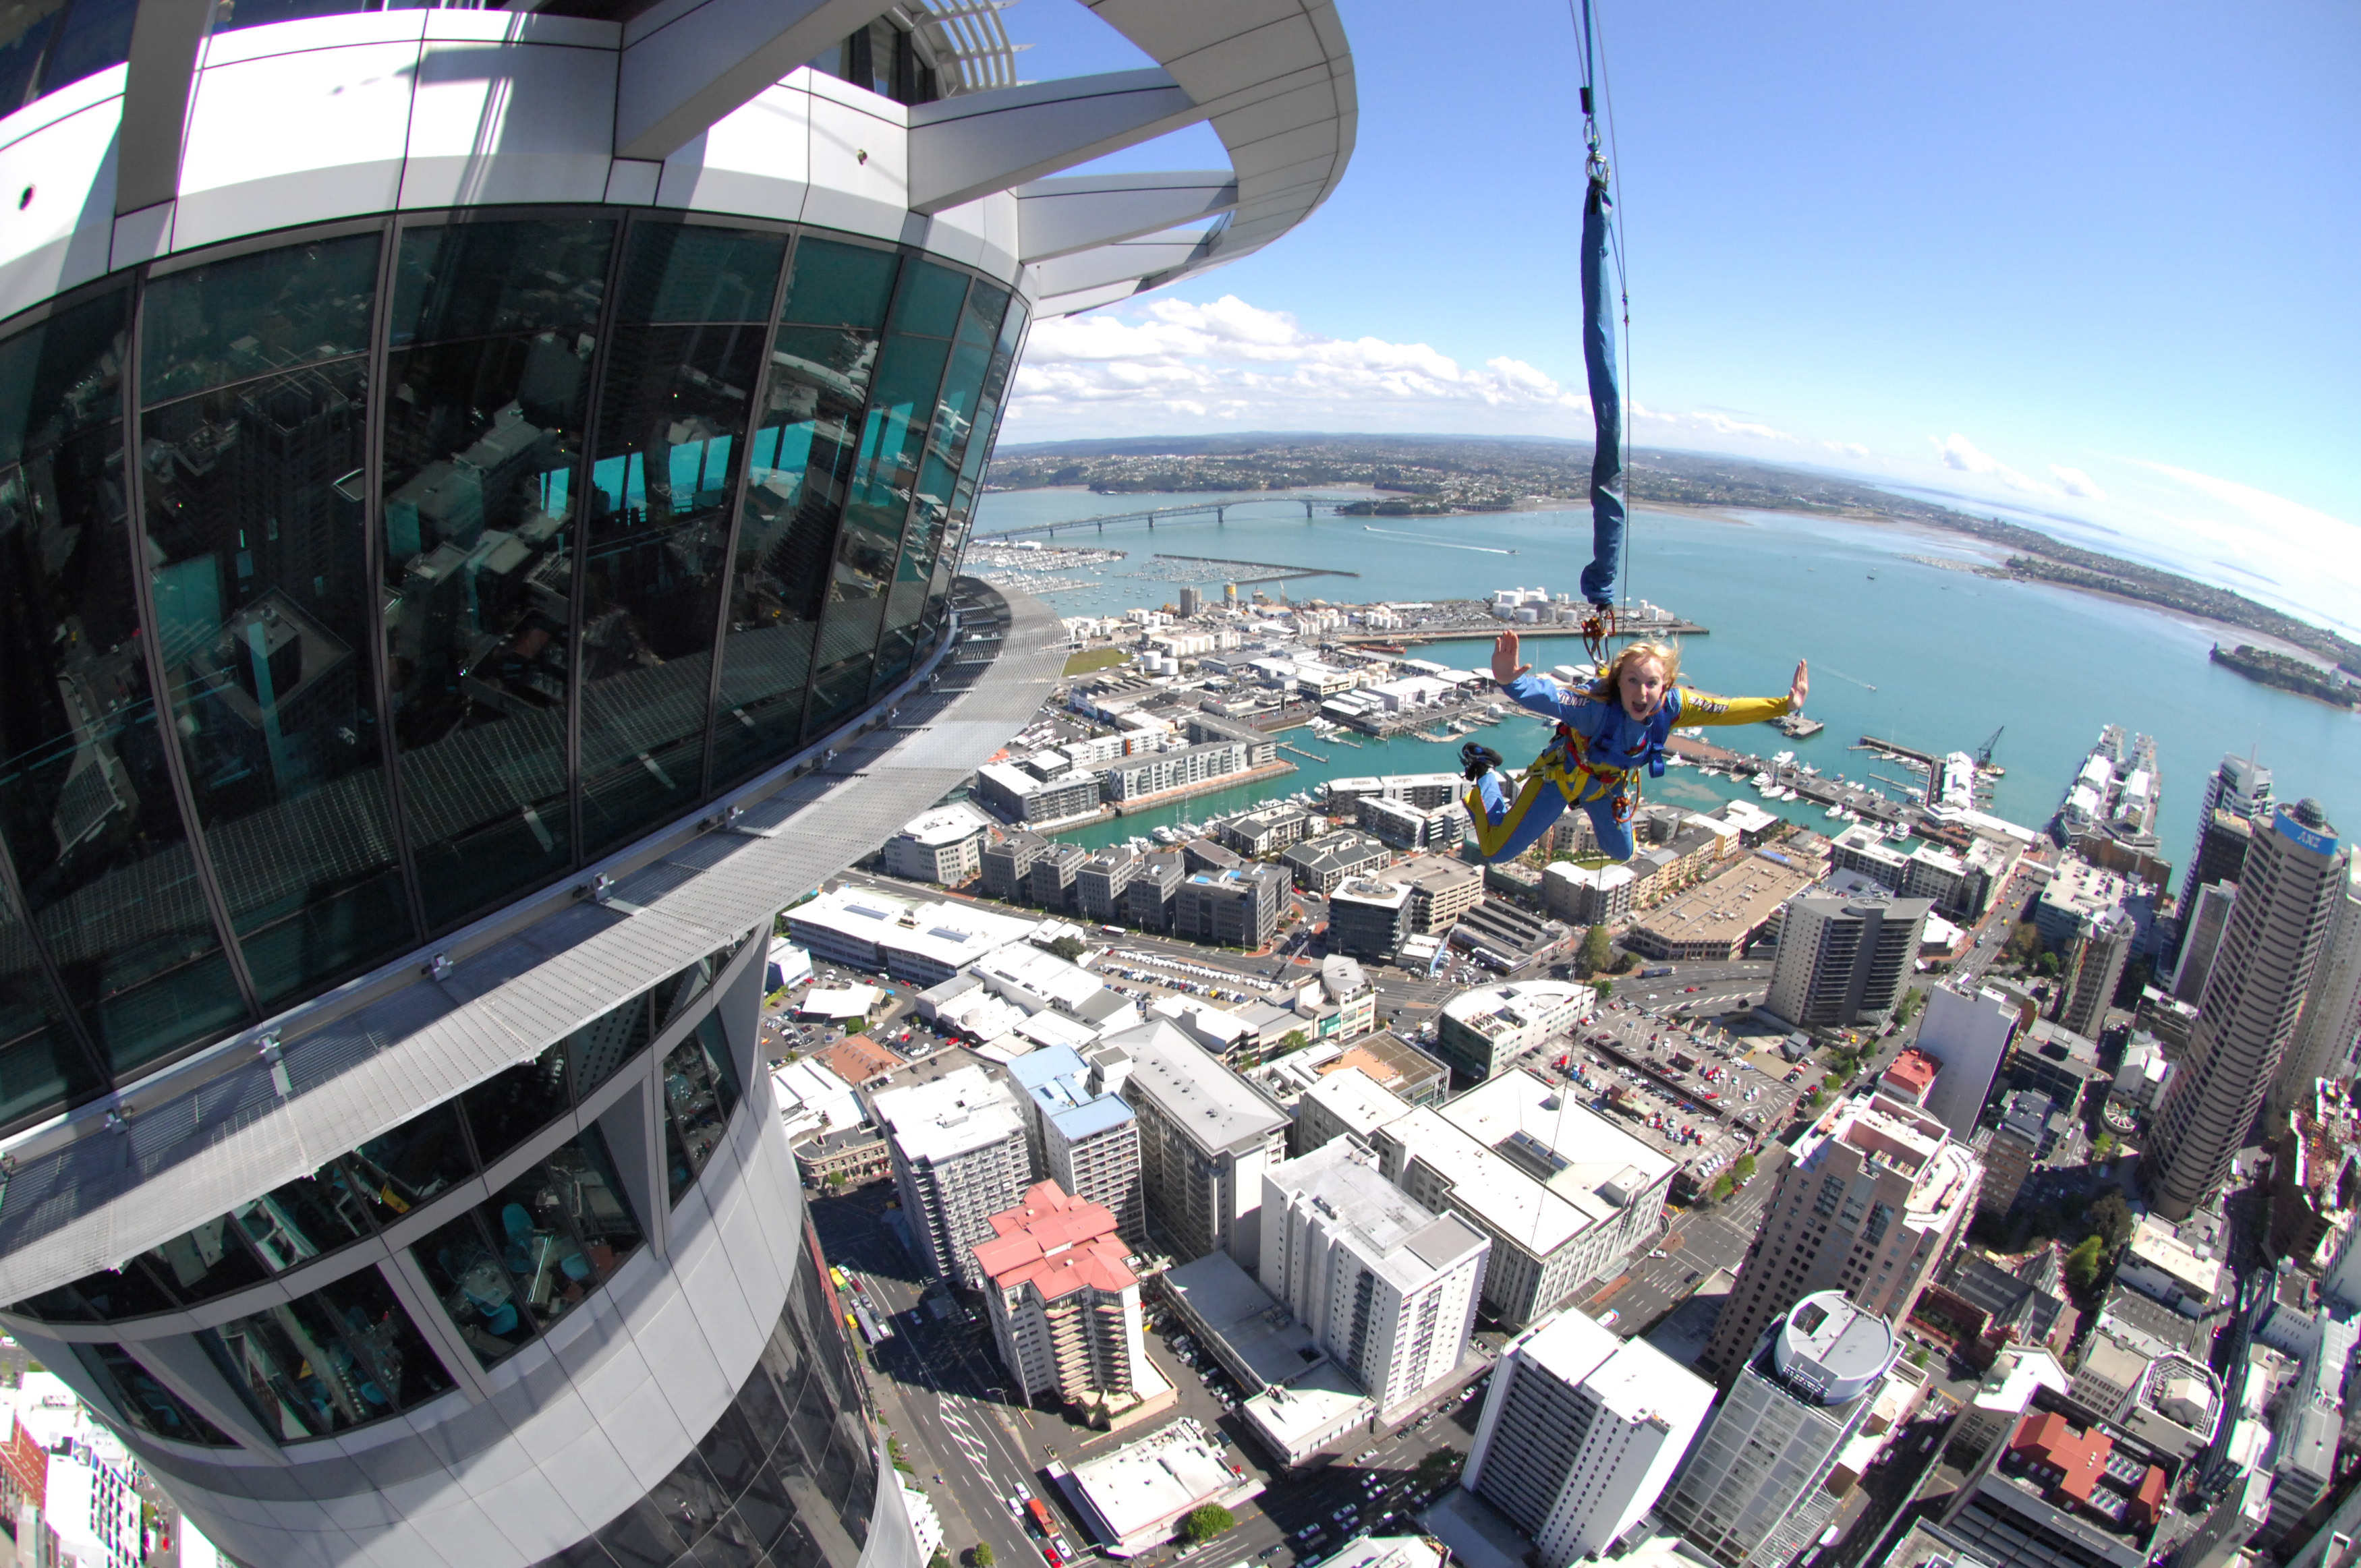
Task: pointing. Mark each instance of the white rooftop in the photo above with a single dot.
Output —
(949, 1116)
(1592, 1151)
(1354, 1098)
(944, 825)
(1508, 1200)
(1293, 1414)
(953, 935)
(811, 1099)
(1139, 1486)
(1215, 1106)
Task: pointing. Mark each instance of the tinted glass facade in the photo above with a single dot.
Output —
(352, 586)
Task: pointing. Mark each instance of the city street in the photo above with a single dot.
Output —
(940, 1389)
(1699, 1242)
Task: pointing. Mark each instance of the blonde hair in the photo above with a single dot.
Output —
(1610, 679)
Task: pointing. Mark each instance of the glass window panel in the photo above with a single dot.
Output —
(673, 416)
(391, 1357)
(144, 1399)
(839, 285)
(25, 29)
(96, 35)
(230, 15)
(276, 310)
(840, 688)
(476, 1288)
(800, 463)
(682, 272)
(505, 1110)
(475, 280)
(481, 440)
(930, 302)
(701, 1090)
(254, 536)
(410, 1163)
(42, 1065)
(299, 1221)
(201, 1263)
(603, 1045)
(86, 803)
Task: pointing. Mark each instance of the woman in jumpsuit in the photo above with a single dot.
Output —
(1606, 732)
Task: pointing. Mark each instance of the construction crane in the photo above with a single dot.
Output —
(1984, 751)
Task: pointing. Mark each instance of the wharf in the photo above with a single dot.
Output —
(1421, 718)
(1871, 743)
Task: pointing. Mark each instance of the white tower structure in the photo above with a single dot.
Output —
(1580, 1433)
(480, 478)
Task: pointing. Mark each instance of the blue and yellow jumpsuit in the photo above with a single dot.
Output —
(1597, 747)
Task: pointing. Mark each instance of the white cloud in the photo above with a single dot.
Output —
(2077, 483)
(1235, 362)
(1963, 455)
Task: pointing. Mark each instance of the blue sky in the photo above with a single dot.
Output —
(2094, 261)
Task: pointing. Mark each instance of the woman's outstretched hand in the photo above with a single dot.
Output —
(1505, 668)
(1799, 691)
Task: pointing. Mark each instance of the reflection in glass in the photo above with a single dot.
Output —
(145, 1401)
(341, 1356)
(671, 418)
(478, 280)
(42, 1064)
(481, 438)
(508, 1269)
(510, 1107)
(410, 1163)
(276, 310)
(297, 1222)
(254, 533)
(701, 1091)
(483, 430)
(821, 361)
(86, 803)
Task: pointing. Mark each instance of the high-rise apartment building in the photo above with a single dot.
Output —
(960, 1156)
(2240, 789)
(2093, 965)
(1844, 961)
(467, 471)
(1083, 1135)
(1580, 1433)
(2013, 1150)
(1870, 1201)
(2201, 940)
(1368, 919)
(1753, 1491)
(1968, 1033)
(1388, 1289)
(1206, 1136)
(1064, 1304)
(2296, 876)
(2329, 1035)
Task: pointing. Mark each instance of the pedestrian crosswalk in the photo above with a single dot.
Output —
(963, 1437)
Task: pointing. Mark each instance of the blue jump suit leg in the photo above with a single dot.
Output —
(1545, 806)
(1614, 837)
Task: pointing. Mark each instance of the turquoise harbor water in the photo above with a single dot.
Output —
(1951, 657)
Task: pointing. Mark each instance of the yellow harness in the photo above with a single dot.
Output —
(1566, 765)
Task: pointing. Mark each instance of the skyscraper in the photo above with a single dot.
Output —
(2329, 1035)
(2296, 875)
(1579, 1434)
(1752, 1491)
(1388, 1289)
(2095, 959)
(1867, 1207)
(467, 476)
(2241, 788)
(1844, 961)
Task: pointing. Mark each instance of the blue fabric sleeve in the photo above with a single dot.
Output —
(1545, 696)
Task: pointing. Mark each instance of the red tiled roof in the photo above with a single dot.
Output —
(2148, 1505)
(1914, 1070)
(1057, 1243)
(2081, 1456)
(857, 1059)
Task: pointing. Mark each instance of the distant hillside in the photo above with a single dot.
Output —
(1442, 474)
